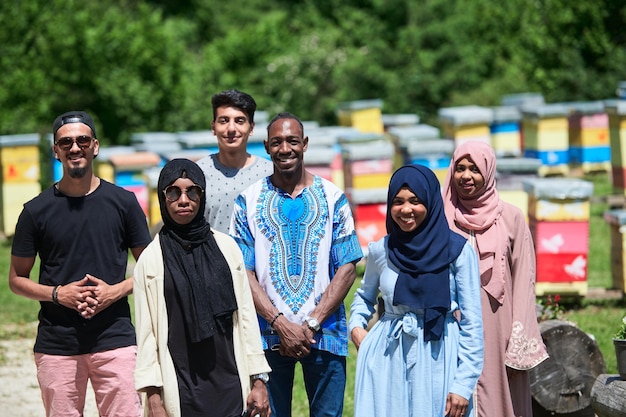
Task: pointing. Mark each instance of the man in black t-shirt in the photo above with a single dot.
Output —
(81, 228)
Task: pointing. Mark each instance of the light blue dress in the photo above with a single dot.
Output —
(397, 373)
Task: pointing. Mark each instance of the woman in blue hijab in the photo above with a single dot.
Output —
(424, 355)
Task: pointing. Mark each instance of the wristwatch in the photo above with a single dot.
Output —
(263, 377)
(312, 324)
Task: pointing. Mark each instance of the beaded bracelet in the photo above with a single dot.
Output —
(275, 318)
(55, 294)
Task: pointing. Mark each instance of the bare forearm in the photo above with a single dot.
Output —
(28, 288)
(125, 287)
(262, 302)
(336, 292)
(21, 284)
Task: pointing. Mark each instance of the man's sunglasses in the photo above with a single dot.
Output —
(66, 143)
(172, 193)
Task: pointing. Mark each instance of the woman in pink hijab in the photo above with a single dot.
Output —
(498, 232)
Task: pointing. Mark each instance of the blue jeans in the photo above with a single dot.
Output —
(324, 379)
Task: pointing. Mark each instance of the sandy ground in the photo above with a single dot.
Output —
(19, 390)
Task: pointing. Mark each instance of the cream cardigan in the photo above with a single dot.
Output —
(154, 366)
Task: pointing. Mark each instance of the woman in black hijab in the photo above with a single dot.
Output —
(199, 346)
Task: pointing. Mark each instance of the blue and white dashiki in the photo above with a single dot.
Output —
(295, 245)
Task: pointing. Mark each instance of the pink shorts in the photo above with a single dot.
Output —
(63, 383)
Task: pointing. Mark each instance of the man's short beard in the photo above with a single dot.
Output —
(77, 172)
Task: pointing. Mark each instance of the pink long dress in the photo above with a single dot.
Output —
(499, 234)
(513, 343)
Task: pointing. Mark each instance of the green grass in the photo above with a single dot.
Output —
(16, 313)
(599, 318)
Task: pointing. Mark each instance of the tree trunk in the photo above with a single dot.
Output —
(608, 396)
(562, 383)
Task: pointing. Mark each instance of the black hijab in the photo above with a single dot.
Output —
(193, 260)
(423, 256)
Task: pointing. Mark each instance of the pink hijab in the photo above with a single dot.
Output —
(480, 215)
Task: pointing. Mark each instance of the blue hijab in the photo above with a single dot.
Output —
(423, 256)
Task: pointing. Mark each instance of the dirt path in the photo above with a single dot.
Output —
(19, 390)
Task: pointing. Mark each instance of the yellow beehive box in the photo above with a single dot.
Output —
(441, 174)
(588, 124)
(552, 123)
(152, 180)
(466, 131)
(594, 136)
(558, 199)
(13, 197)
(380, 180)
(558, 209)
(363, 115)
(464, 122)
(546, 127)
(106, 172)
(19, 157)
(20, 164)
(562, 288)
(545, 139)
(506, 143)
(505, 131)
(367, 120)
(154, 215)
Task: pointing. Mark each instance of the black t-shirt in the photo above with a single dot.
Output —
(75, 236)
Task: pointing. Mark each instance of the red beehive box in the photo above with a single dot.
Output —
(369, 208)
(563, 267)
(370, 222)
(562, 251)
(560, 237)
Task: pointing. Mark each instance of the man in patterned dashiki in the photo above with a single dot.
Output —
(300, 248)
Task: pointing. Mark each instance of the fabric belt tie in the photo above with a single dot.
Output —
(404, 324)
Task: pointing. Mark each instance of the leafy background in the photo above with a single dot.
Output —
(142, 65)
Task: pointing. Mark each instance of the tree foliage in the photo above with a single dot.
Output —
(141, 65)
